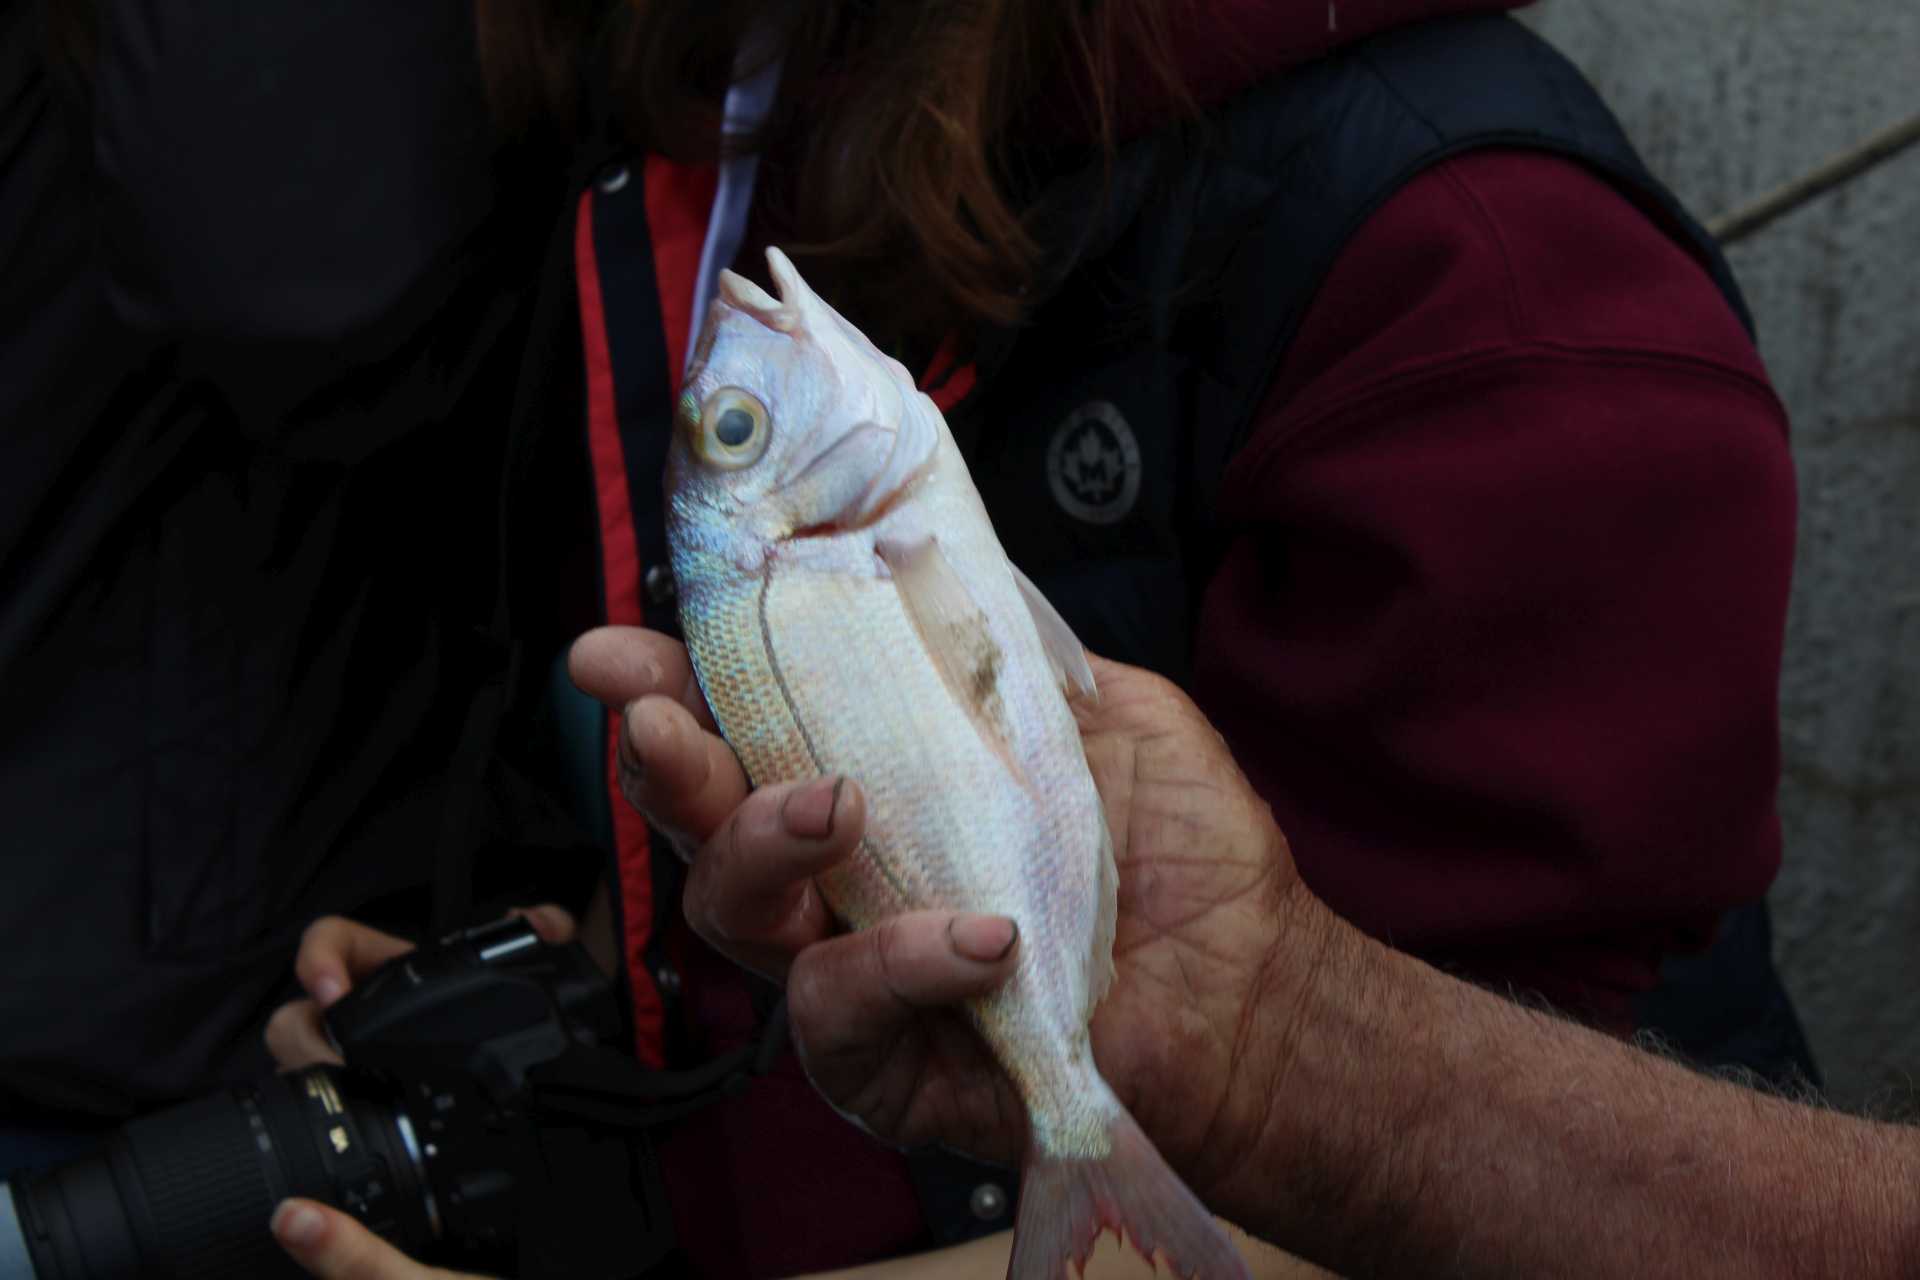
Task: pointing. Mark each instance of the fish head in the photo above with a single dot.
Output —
(792, 423)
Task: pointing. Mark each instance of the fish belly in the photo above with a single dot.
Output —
(812, 673)
(955, 821)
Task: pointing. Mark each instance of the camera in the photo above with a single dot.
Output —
(486, 1121)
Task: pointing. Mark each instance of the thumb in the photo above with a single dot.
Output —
(551, 923)
(334, 1246)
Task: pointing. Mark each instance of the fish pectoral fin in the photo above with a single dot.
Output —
(1106, 922)
(953, 627)
(1064, 650)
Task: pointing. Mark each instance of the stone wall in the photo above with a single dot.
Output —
(1728, 99)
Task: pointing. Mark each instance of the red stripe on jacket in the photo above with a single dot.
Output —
(620, 560)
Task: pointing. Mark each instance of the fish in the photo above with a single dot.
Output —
(849, 611)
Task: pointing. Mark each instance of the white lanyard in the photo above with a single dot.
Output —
(748, 102)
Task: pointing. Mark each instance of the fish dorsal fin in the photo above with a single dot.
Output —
(953, 627)
(744, 295)
(1064, 650)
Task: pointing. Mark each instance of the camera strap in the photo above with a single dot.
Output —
(607, 1087)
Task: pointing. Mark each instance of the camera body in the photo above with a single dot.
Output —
(486, 1121)
(498, 1050)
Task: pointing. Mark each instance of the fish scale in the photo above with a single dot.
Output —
(762, 696)
(850, 612)
(935, 791)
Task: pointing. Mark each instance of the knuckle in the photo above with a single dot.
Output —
(279, 1029)
(693, 697)
(322, 935)
(554, 922)
(628, 741)
(889, 954)
(653, 726)
(634, 793)
(761, 817)
(711, 895)
(728, 846)
(1158, 686)
(288, 1032)
(696, 900)
(808, 994)
(681, 843)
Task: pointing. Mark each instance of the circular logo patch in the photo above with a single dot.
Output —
(1093, 464)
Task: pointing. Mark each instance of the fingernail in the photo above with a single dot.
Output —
(983, 938)
(808, 810)
(297, 1225)
(328, 989)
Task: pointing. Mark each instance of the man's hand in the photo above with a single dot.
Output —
(336, 953)
(1334, 1095)
(1208, 893)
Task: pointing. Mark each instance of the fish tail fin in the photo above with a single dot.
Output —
(1066, 1203)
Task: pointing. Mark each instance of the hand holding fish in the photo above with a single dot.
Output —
(850, 613)
(1213, 923)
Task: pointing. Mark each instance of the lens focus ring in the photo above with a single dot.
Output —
(208, 1197)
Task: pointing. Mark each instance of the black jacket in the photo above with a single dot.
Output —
(263, 290)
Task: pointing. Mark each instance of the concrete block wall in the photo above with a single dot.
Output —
(1728, 99)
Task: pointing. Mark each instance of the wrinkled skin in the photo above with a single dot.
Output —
(1208, 892)
(1209, 904)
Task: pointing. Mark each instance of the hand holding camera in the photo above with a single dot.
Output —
(337, 954)
(487, 1120)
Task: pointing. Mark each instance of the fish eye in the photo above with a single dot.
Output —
(734, 429)
(731, 431)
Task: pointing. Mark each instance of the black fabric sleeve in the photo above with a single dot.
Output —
(278, 170)
(280, 177)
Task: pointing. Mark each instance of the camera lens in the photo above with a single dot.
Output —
(188, 1191)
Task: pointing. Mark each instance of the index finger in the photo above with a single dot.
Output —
(750, 893)
(683, 778)
(335, 951)
(619, 665)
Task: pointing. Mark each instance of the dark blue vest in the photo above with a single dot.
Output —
(1179, 278)
(1176, 296)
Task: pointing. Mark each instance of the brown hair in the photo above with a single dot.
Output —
(888, 155)
(530, 52)
(887, 158)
